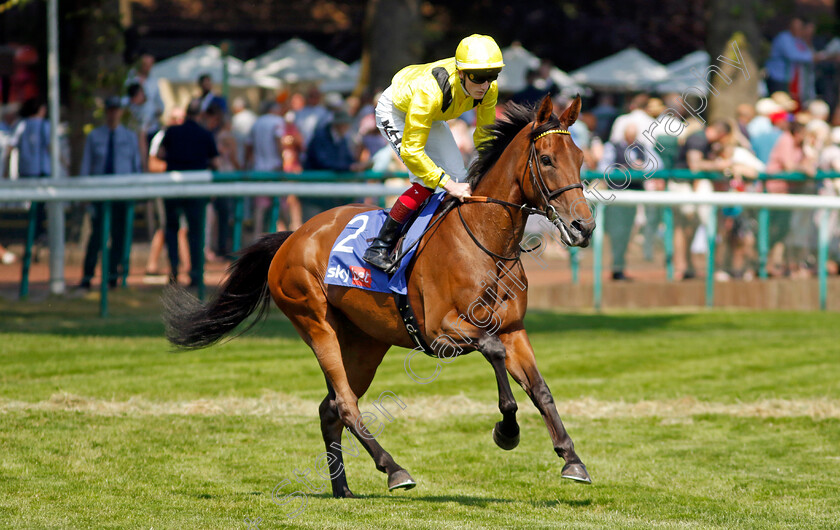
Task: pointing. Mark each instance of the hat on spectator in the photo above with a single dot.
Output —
(784, 99)
(113, 102)
(333, 100)
(766, 107)
(835, 135)
(781, 116)
(819, 109)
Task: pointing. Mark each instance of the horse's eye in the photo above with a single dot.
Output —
(545, 160)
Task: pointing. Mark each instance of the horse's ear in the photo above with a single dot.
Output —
(546, 108)
(570, 115)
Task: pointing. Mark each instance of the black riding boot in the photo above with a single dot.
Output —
(378, 253)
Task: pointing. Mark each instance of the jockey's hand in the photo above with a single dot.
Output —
(459, 190)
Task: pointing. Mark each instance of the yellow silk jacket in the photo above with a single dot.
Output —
(433, 92)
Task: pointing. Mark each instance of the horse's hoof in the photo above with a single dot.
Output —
(576, 472)
(400, 480)
(344, 494)
(505, 442)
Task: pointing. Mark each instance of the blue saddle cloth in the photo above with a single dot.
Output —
(346, 266)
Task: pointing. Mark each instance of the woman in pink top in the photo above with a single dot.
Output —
(787, 156)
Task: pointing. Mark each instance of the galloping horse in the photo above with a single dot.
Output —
(531, 166)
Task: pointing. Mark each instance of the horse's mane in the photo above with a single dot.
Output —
(502, 133)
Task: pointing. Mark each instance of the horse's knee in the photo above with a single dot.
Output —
(346, 411)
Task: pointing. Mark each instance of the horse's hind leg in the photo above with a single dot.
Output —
(506, 432)
(522, 366)
(331, 428)
(349, 360)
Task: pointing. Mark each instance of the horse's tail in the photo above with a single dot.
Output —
(191, 324)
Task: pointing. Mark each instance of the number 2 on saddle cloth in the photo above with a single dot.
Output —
(346, 267)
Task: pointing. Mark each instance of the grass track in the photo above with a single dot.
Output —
(69, 458)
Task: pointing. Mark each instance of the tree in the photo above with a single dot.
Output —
(91, 48)
(392, 38)
(728, 22)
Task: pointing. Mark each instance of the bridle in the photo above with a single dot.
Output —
(538, 183)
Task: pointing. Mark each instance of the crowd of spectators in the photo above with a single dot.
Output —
(790, 130)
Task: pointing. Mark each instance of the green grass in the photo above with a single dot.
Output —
(164, 457)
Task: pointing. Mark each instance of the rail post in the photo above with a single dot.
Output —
(598, 256)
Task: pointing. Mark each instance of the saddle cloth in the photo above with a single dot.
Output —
(346, 266)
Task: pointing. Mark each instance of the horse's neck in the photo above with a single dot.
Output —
(502, 227)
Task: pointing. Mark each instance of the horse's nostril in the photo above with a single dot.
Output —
(577, 226)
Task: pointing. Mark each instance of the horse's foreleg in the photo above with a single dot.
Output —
(522, 366)
(506, 432)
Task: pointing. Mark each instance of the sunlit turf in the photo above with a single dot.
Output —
(64, 468)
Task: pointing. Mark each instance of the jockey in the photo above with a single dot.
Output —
(412, 115)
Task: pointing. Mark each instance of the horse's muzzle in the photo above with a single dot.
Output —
(576, 233)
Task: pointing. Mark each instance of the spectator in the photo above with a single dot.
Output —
(155, 213)
(761, 131)
(696, 154)
(745, 114)
(7, 130)
(789, 57)
(32, 140)
(110, 149)
(219, 209)
(264, 153)
(152, 110)
(208, 97)
(241, 121)
(530, 95)
(636, 115)
(606, 113)
(830, 155)
(187, 147)
(330, 149)
(7, 257)
(619, 219)
(311, 116)
(139, 123)
(787, 155)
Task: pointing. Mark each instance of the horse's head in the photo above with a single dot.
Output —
(552, 177)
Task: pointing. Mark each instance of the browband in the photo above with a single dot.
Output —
(552, 131)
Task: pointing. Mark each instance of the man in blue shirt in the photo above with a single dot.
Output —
(187, 147)
(110, 149)
(788, 53)
(31, 138)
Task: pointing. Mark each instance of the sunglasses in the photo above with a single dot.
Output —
(479, 78)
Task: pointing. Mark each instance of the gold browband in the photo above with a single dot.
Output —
(552, 131)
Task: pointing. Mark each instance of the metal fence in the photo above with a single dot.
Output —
(202, 184)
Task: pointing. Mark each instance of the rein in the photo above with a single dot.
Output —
(537, 181)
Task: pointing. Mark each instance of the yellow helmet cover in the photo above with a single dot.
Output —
(478, 52)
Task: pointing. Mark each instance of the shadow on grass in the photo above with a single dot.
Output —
(551, 322)
(469, 500)
(121, 324)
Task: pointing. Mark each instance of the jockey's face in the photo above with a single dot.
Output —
(475, 90)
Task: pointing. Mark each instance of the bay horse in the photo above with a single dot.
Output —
(530, 166)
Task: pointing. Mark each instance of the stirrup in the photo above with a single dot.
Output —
(379, 255)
